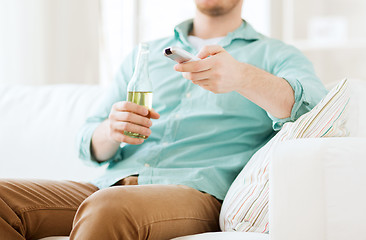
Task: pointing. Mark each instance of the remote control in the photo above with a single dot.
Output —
(179, 55)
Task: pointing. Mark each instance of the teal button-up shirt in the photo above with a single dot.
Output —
(202, 139)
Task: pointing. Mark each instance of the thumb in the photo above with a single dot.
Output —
(210, 50)
(153, 114)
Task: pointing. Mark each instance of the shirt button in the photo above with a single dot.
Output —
(188, 95)
(177, 116)
(147, 165)
(165, 144)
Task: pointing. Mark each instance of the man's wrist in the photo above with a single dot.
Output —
(247, 73)
(108, 134)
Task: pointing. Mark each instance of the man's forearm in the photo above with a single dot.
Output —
(221, 73)
(102, 146)
(273, 94)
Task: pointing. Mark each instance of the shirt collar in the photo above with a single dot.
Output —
(245, 32)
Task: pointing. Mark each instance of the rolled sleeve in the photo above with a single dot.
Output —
(298, 71)
(84, 141)
(301, 105)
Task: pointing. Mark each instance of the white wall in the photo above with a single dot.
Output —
(331, 33)
(118, 35)
(43, 41)
(84, 41)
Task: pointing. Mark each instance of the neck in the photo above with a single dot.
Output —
(205, 26)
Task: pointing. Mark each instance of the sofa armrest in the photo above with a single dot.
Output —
(318, 189)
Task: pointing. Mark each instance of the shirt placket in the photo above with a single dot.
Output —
(172, 126)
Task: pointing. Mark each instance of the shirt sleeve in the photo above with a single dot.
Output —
(298, 71)
(115, 92)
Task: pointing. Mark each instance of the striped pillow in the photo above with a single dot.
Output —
(245, 207)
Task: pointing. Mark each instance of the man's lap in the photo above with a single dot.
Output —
(145, 211)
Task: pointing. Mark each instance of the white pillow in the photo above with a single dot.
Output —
(245, 207)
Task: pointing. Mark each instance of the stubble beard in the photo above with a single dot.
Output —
(215, 11)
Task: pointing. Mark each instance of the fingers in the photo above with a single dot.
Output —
(131, 118)
(154, 115)
(120, 137)
(130, 107)
(202, 65)
(135, 108)
(131, 127)
(210, 50)
(199, 76)
(202, 82)
(131, 140)
(119, 128)
(196, 66)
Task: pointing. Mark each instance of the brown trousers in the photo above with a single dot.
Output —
(33, 209)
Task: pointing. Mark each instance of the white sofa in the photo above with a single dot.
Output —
(318, 186)
(38, 127)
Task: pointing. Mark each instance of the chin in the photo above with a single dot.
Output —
(216, 7)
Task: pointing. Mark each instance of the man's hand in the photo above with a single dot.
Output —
(217, 72)
(124, 116)
(130, 117)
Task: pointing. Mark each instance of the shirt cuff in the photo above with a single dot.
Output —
(84, 141)
(301, 105)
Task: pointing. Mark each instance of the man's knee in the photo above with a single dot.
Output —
(109, 212)
(114, 201)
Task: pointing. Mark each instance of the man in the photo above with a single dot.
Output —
(206, 124)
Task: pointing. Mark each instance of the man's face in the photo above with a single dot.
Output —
(216, 7)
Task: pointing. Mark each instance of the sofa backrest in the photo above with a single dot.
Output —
(38, 126)
(357, 108)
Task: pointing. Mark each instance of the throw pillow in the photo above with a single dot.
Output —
(245, 207)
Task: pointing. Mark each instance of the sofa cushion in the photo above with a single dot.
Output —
(38, 127)
(245, 207)
(55, 238)
(321, 195)
(357, 113)
(226, 236)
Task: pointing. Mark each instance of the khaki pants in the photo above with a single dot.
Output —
(33, 209)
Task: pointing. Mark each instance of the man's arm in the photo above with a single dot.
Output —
(273, 94)
(221, 73)
(124, 116)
